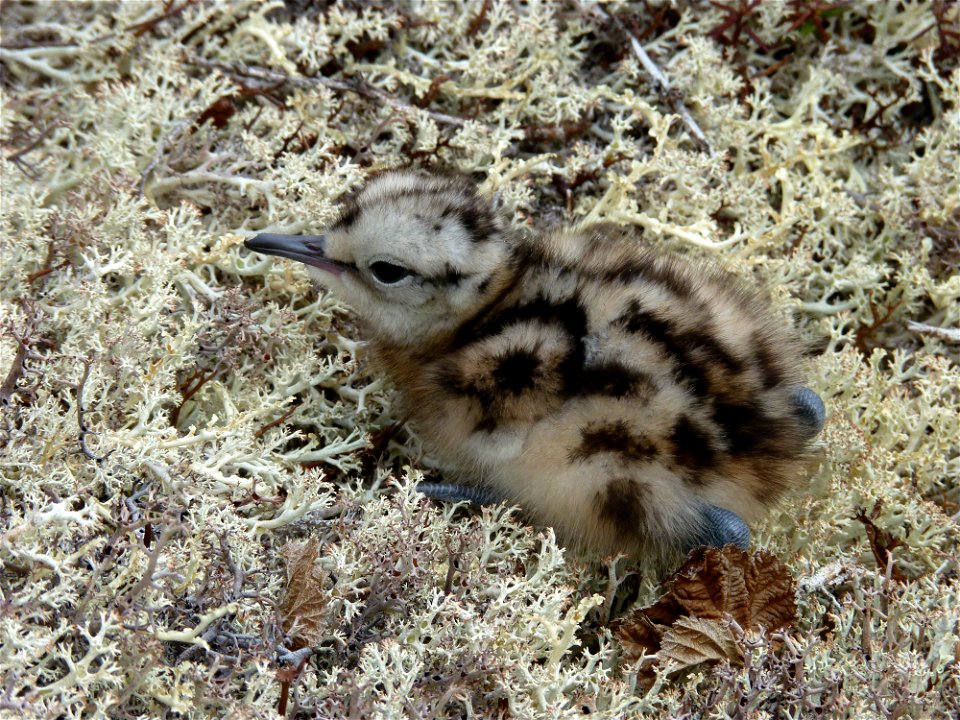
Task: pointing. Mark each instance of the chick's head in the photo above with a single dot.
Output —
(414, 256)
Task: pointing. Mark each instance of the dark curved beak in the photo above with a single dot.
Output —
(308, 249)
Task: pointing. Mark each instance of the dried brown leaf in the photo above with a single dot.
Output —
(639, 634)
(692, 641)
(303, 610)
(714, 583)
(882, 543)
(754, 589)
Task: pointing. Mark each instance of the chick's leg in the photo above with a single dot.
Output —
(451, 492)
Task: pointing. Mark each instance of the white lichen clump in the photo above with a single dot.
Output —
(178, 413)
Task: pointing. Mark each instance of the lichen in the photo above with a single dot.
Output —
(178, 412)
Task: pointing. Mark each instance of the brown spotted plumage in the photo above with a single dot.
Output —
(632, 400)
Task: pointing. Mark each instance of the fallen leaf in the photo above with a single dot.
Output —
(692, 641)
(639, 635)
(754, 589)
(715, 584)
(303, 609)
(882, 543)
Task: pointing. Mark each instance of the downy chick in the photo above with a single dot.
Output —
(630, 399)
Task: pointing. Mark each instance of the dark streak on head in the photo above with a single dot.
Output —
(484, 285)
(405, 192)
(451, 276)
(692, 447)
(614, 438)
(348, 216)
(622, 504)
(516, 371)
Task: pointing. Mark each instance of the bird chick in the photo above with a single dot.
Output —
(634, 401)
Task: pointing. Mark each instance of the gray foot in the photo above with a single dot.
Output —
(459, 493)
(810, 410)
(722, 527)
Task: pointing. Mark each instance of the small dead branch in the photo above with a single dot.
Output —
(477, 21)
(81, 422)
(432, 91)
(736, 21)
(453, 566)
(948, 32)
(556, 133)
(48, 266)
(16, 157)
(222, 109)
(288, 140)
(190, 387)
(866, 332)
(668, 95)
(170, 530)
(254, 497)
(381, 439)
(105, 562)
(170, 11)
(193, 384)
(274, 423)
(807, 15)
(356, 85)
(947, 334)
(130, 504)
(240, 577)
(18, 368)
(294, 663)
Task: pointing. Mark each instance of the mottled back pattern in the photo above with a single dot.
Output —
(611, 391)
(623, 396)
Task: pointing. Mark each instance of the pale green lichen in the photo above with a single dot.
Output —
(228, 410)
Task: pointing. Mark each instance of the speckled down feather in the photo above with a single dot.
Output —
(630, 399)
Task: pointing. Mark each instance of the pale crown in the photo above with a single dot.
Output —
(420, 254)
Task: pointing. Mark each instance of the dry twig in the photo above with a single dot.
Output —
(81, 422)
(668, 95)
(355, 85)
(18, 370)
(947, 334)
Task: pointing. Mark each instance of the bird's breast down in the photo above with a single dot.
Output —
(614, 394)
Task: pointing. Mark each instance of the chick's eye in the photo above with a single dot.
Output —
(388, 273)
